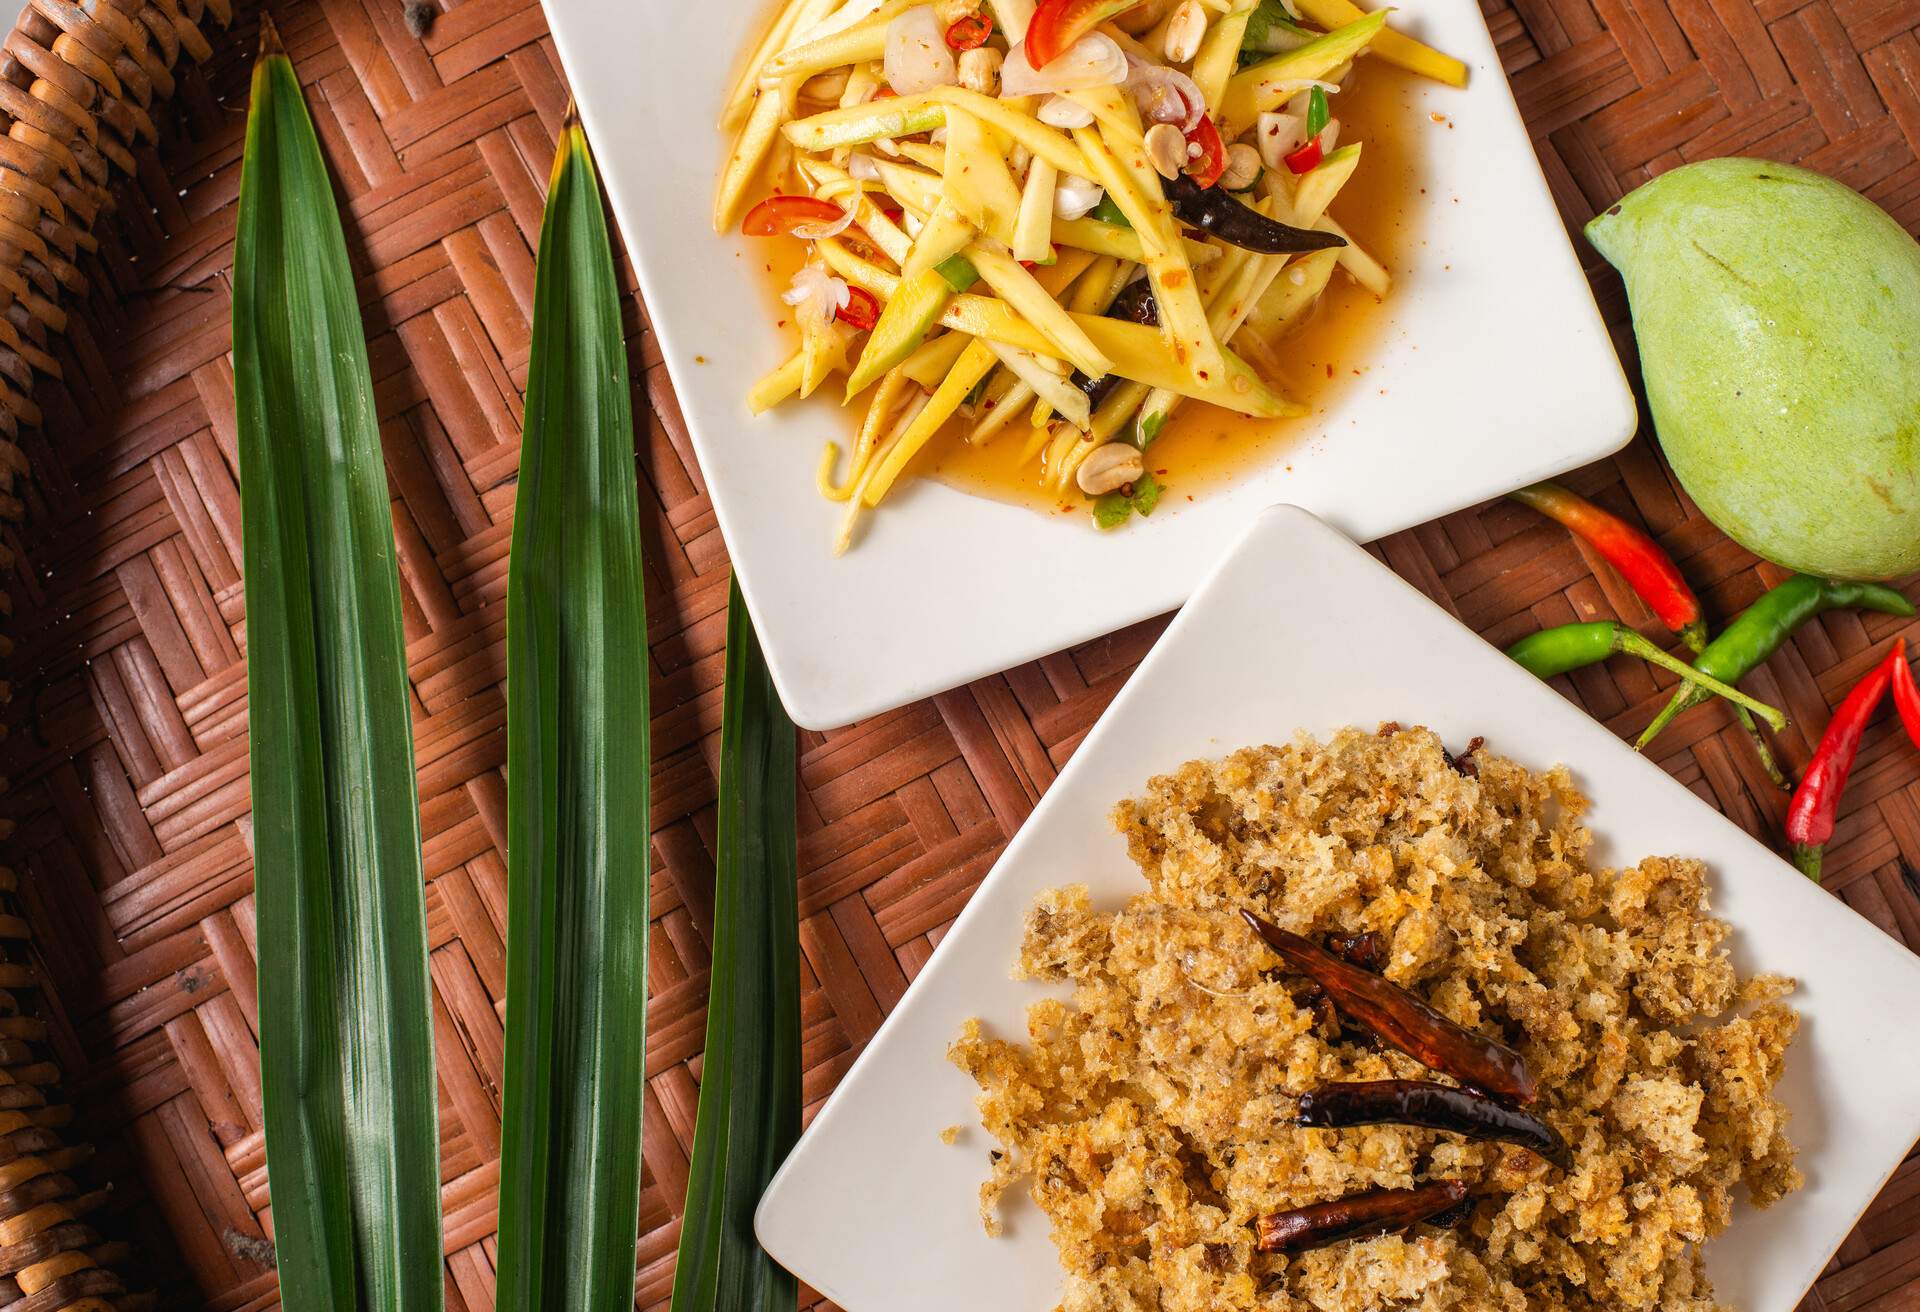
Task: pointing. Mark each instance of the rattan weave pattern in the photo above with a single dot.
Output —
(128, 751)
(77, 95)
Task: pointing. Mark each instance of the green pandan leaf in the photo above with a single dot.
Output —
(346, 1039)
(577, 788)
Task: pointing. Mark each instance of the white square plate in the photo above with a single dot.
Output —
(1492, 369)
(1300, 629)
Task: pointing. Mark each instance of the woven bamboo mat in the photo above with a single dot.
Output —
(128, 754)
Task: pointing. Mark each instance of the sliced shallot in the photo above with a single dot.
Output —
(1166, 95)
(1073, 196)
(821, 231)
(816, 295)
(1062, 112)
(917, 57)
(1278, 136)
(1092, 61)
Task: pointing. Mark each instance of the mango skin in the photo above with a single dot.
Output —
(1778, 316)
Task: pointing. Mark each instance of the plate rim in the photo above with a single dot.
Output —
(823, 709)
(1274, 519)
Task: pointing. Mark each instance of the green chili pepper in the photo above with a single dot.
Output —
(1318, 112)
(1757, 632)
(1573, 646)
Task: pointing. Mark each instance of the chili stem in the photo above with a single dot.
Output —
(1759, 630)
(1806, 858)
(1763, 752)
(1682, 700)
(1629, 641)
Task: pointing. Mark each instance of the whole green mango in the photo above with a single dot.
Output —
(1778, 316)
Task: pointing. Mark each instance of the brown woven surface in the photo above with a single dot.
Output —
(79, 89)
(128, 752)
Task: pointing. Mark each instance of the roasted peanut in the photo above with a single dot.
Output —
(1109, 467)
(1243, 167)
(1167, 148)
(980, 69)
(1185, 29)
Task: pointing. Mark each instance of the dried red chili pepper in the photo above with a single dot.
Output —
(1313, 998)
(1465, 762)
(1810, 816)
(1356, 1215)
(1642, 562)
(1433, 1107)
(1367, 951)
(1906, 699)
(1453, 1216)
(1403, 1020)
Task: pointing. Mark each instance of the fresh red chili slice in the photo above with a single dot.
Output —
(778, 216)
(862, 309)
(1057, 24)
(1307, 157)
(1816, 801)
(1212, 161)
(969, 32)
(1906, 698)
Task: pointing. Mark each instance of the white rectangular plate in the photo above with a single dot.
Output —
(1492, 369)
(1299, 629)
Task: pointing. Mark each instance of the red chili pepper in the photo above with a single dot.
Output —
(1399, 1018)
(1647, 568)
(778, 216)
(1057, 24)
(1305, 158)
(1212, 160)
(862, 309)
(1367, 951)
(1906, 699)
(1318, 1224)
(1810, 817)
(1434, 1106)
(970, 31)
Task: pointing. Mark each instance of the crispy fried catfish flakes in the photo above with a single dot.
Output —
(1150, 1116)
